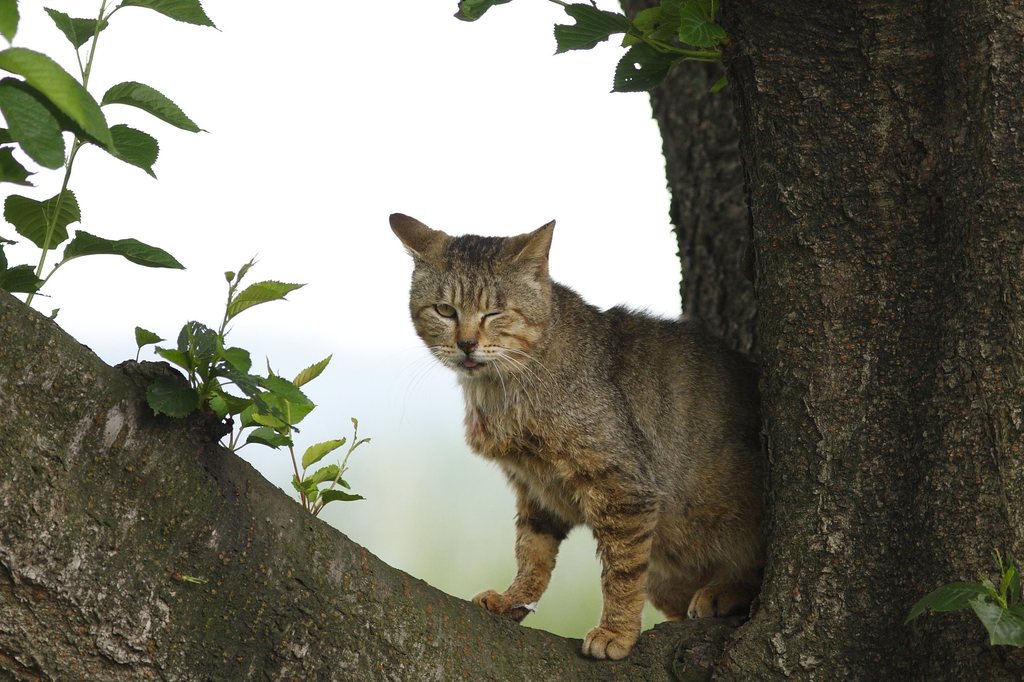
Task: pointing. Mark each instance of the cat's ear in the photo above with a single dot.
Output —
(420, 241)
(533, 247)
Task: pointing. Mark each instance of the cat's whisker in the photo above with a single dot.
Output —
(421, 368)
(504, 390)
(525, 381)
(532, 360)
(528, 371)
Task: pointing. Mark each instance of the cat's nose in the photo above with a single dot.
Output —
(467, 346)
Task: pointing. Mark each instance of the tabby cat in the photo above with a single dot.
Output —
(644, 429)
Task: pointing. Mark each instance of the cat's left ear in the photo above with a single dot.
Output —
(533, 247)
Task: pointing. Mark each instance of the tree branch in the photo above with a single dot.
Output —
(135, 547)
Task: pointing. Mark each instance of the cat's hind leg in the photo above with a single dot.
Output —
(719, 600)
(671, 591)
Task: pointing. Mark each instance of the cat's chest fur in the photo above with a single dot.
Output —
(528, 446)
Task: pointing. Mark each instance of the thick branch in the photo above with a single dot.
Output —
(134, 547)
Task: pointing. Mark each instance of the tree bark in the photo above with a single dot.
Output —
(700, 135)
(883, 148)
(133, 547)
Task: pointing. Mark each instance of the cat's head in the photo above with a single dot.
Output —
(481, 304)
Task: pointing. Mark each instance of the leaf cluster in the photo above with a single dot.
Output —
(41, 103)
(211, 366)
(999, 608)
(268, 408)
(319, 488)
(657, 39)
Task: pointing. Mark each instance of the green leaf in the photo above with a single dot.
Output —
(264, 418)
(144, 337)
(314, 453)
(951, 597)
(720, 84)
(258, 293)
(278, 413)
(199, 342)
(225, 404)
(306, 487)
(265, 435)
(284, 389)
(8, 19)
(151, 101)
(311, 372)
(169, 396)
(339, 496)
(20, 279)
(175, 357)
(243, 271)
(11, 169)
(134, 147)
(30, 217)
(238, 358)
(471, 10)
(657, 23)
(642, 68)
(697, 25)
(1006, 579)
(647, 20)
(78, 31)
(57, 85)
(284, 401)
(246, 383)
(592, 27)
(187, 11)
(85, 244)
(327, 473)
(31, 123)
(1005, 626)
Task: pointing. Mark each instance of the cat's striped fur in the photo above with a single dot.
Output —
(643, 429)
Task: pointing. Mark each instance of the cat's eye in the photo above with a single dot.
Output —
(445, 310)
(493, 313)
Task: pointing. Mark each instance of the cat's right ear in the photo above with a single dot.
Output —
(420, 241)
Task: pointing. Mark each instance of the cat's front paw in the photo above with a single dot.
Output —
(499, 604)
(604, 643)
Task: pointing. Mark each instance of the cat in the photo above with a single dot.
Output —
(646, 430)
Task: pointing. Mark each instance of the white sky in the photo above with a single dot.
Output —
(324, 118)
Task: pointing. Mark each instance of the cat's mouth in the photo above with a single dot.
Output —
(470, 363)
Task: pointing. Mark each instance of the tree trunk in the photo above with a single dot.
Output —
(700, 138)
(133, 547)
(883, 147)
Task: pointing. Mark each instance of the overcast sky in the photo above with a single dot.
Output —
(323, 118)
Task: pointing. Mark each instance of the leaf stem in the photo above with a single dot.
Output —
(76, 144)
(693, 55)
(295, 466)
(51, 222)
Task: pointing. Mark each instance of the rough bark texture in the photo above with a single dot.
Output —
(109, 515)
(700, 134)
(883, 148)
